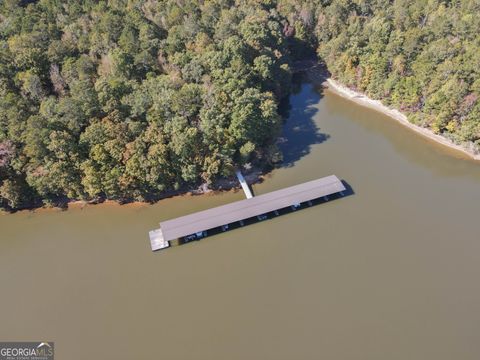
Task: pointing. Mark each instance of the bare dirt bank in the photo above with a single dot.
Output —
(252, 176)
(363, 100)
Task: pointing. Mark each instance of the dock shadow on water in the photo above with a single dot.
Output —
(299, 130)
(348, 189)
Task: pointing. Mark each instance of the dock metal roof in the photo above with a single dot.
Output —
(244, 209)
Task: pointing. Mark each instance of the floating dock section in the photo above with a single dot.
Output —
(157, 241)
(198, 223)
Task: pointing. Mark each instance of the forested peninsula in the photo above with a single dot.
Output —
(132, 99)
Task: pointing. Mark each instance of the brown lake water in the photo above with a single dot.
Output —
(390, 272)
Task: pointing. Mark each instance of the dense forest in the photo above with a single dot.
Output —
(419, 56)
(129, 99)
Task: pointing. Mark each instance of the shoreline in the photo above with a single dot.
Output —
(316, 74)
(107, 203)
(396, 115)
(224, 185)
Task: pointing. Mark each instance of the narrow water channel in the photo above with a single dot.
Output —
(390, 272)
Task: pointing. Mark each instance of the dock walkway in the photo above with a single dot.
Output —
(245, 187)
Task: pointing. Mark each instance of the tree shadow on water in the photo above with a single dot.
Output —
(299, 131)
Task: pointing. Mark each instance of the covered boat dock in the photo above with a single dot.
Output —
(198, 223)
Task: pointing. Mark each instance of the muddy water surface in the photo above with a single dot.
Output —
(390, 272)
